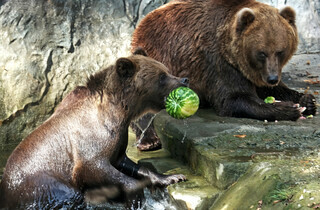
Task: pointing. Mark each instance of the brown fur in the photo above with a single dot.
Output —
(82, 145)
(231, 51)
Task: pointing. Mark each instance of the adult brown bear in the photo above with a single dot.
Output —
(232, 51)
(82, 145)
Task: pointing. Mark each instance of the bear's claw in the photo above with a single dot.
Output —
(309, 102)
(172, 179)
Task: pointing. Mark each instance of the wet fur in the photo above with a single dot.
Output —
(82, 145)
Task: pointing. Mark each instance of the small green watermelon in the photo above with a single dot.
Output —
(269, 100)
(182, 102)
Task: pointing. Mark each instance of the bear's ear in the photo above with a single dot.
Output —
(125, 67)
(244, 18)
(289, 14)
(140, 51)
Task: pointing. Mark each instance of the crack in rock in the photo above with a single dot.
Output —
(135, 15)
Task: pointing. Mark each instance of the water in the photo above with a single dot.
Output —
(159, 200)
(186, 125)
(154, 199)
(143, 130)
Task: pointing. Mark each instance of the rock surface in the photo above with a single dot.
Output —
(247, 161)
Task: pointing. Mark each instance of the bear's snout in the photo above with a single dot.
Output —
(184, 81)
(273, 79)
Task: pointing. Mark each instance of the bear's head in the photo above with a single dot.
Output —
(263, 40)
(146, 81)
(138, 83)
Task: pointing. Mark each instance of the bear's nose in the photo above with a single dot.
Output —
(184, 81)
(273, 79)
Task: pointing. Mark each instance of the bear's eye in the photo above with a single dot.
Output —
(280, 53)
(162, 79)
(262, 56)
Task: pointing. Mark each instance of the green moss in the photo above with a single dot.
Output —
(283, 192)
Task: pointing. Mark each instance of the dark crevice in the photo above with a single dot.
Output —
(2, 2)
(135, 19)
(125, 11)
(18, 19)
(28, 21)
(13, 40)
(72, 28)
(71, 49)
(78, 43)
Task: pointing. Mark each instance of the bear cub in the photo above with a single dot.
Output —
(82, 145)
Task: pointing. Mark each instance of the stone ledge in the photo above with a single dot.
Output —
(208, 138)
(210, 146)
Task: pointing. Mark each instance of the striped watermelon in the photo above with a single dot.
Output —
(182, 103)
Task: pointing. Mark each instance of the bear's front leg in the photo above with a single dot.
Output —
(130, 168)
(251, 106)
(97, 173)
(282, 93)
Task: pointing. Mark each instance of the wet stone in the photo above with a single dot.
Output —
(244, 159)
